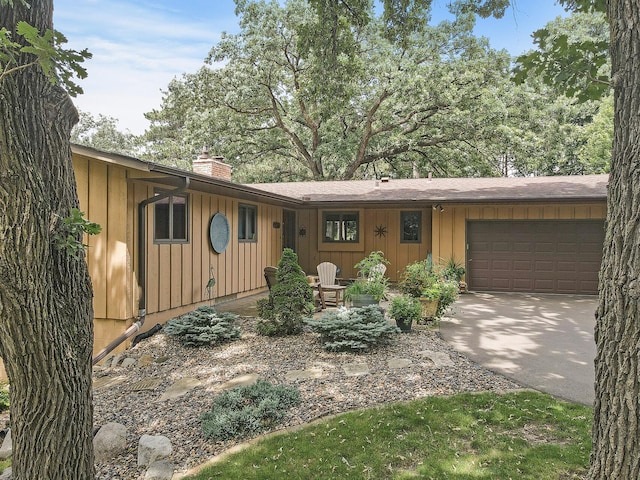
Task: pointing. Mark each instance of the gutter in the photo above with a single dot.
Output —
(142, 270)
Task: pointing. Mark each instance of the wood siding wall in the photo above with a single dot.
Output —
(449, 226)
(177, 274)
(311, 252)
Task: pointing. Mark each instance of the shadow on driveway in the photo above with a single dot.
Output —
(541, 341)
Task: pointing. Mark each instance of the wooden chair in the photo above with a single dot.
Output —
(377, 272)
(329, 291)
(270, 276)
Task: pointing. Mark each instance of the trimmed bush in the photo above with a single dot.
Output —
(4, 398)
(356, 329)
(204, 326)
(290, 300)
(248, 410)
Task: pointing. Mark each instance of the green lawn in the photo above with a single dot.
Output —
(523, 435)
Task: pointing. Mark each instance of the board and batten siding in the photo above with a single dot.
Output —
(311, 251)
(449, 226)
(177, 274)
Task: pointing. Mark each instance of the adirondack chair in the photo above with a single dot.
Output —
(330, 291)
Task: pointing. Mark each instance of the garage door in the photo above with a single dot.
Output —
(542, 256)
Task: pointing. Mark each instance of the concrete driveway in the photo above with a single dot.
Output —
(541, 341)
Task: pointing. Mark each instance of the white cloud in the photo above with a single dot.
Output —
(138, 48)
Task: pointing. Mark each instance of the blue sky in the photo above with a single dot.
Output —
(138, 46)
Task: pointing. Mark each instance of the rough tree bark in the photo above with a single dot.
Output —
(616, 424)
(46, 329)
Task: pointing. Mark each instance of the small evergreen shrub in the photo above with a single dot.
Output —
(204, 326)
(290, 300)
(248, 410)
(4, 398)
(356, 329)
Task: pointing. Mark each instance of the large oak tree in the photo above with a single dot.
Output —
(616, 421)
(46, 329)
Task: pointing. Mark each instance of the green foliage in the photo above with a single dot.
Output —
(246, 411)
(102, 133)
(58, 64)
(68, 232)
(203, 327)
(445, 291)
(405, 308)
(289, 301)
(280, 114)
(355, 329)
(524, 435)
(377, 289)
(368, 266)
(452, 270)
(572, 56)
(417, 277)
(4, 398)
(371, 280)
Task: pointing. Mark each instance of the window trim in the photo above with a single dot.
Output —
(248, 207)
(340, 213)
(403, 213)
(171, 240)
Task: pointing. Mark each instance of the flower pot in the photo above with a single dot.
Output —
(429, 307)
(362, 300)
(404, 325)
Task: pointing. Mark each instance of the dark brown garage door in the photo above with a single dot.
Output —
(542, 256)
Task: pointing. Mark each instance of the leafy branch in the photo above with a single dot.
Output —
(58, 64)
(68, 234)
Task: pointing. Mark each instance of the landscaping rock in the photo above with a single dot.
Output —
(355, 369)
(145, 361)
(6, 474)
(129, 362)
(181, 387)
(152, 448)
(242, 380)
(7, 446)
(160, 470)
(110, 441)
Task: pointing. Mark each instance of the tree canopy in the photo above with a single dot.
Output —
(281, 102)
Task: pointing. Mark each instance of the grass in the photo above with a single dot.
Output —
(523, 435)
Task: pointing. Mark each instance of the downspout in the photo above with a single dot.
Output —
(142, 269)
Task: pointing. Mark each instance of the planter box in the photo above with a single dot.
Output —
(362, 300)
(429, 307)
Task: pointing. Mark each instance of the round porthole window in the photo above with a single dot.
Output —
(219, 232)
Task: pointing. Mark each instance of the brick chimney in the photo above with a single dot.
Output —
(212, 166)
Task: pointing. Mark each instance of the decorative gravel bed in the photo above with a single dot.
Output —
(270, 358)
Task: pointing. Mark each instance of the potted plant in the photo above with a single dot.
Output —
(371, 285)
(434, 292)
(454, 271)
(436, 298)
(405, 310)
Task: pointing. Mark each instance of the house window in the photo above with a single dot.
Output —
(170, 219)
(411, 227)
(341, 226)
(247, 222)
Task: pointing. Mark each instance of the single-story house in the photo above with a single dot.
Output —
(174, 239)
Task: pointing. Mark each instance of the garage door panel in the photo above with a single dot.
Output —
(501, 265)
(525, 265)
(544, 266)
(535, 255)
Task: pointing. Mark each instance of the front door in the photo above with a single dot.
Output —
(289, 229)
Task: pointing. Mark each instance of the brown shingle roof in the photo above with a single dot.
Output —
(462, 190)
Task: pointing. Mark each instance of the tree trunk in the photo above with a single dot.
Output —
(46, 328)
(616, 423)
